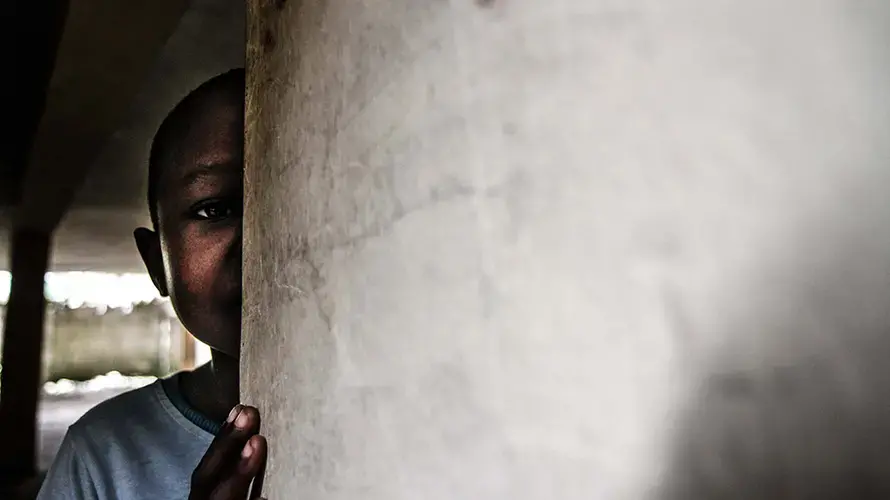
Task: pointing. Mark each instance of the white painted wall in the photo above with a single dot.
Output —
(576, 249)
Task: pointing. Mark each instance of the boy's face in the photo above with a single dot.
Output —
(195, 255)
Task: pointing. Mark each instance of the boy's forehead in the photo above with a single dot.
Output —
(181, 176)
(212, 145)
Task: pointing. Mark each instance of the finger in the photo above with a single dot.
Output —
(261, 450)
(243, 422)
(223, 453)
(236, 485)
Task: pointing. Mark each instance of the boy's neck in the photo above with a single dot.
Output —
(212, 389)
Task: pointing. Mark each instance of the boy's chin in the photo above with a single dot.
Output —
(226, 341)
(226, 352)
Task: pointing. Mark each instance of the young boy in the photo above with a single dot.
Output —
(180, 437)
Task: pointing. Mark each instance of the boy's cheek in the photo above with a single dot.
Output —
(206, 271)
(197, 273)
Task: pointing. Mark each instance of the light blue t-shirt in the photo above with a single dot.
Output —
(143, 444)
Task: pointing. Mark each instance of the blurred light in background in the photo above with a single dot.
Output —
(111, 380)
(92, 289)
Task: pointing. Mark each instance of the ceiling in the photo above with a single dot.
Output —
(76, 153)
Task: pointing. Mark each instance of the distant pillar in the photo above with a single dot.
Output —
(22, 350)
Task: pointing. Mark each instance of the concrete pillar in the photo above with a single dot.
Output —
(575, 249)
(22, 351)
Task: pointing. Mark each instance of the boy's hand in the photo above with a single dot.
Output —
(235, 458)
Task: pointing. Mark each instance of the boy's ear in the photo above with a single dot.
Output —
(149, 246)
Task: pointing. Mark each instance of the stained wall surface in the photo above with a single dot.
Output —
(576, 249)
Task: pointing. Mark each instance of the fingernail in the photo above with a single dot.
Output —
(247, 451)
(234, 413)
(241, 421)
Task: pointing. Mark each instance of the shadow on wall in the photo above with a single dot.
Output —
(793, 405)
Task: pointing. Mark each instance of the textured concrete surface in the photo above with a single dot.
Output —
(577, 249)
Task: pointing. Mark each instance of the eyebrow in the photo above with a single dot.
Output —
(203, 170)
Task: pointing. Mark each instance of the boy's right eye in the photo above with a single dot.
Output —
(214, 210)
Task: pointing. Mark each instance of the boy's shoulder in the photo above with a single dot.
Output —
(134, 445)
(143, 413)
(119, 413)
